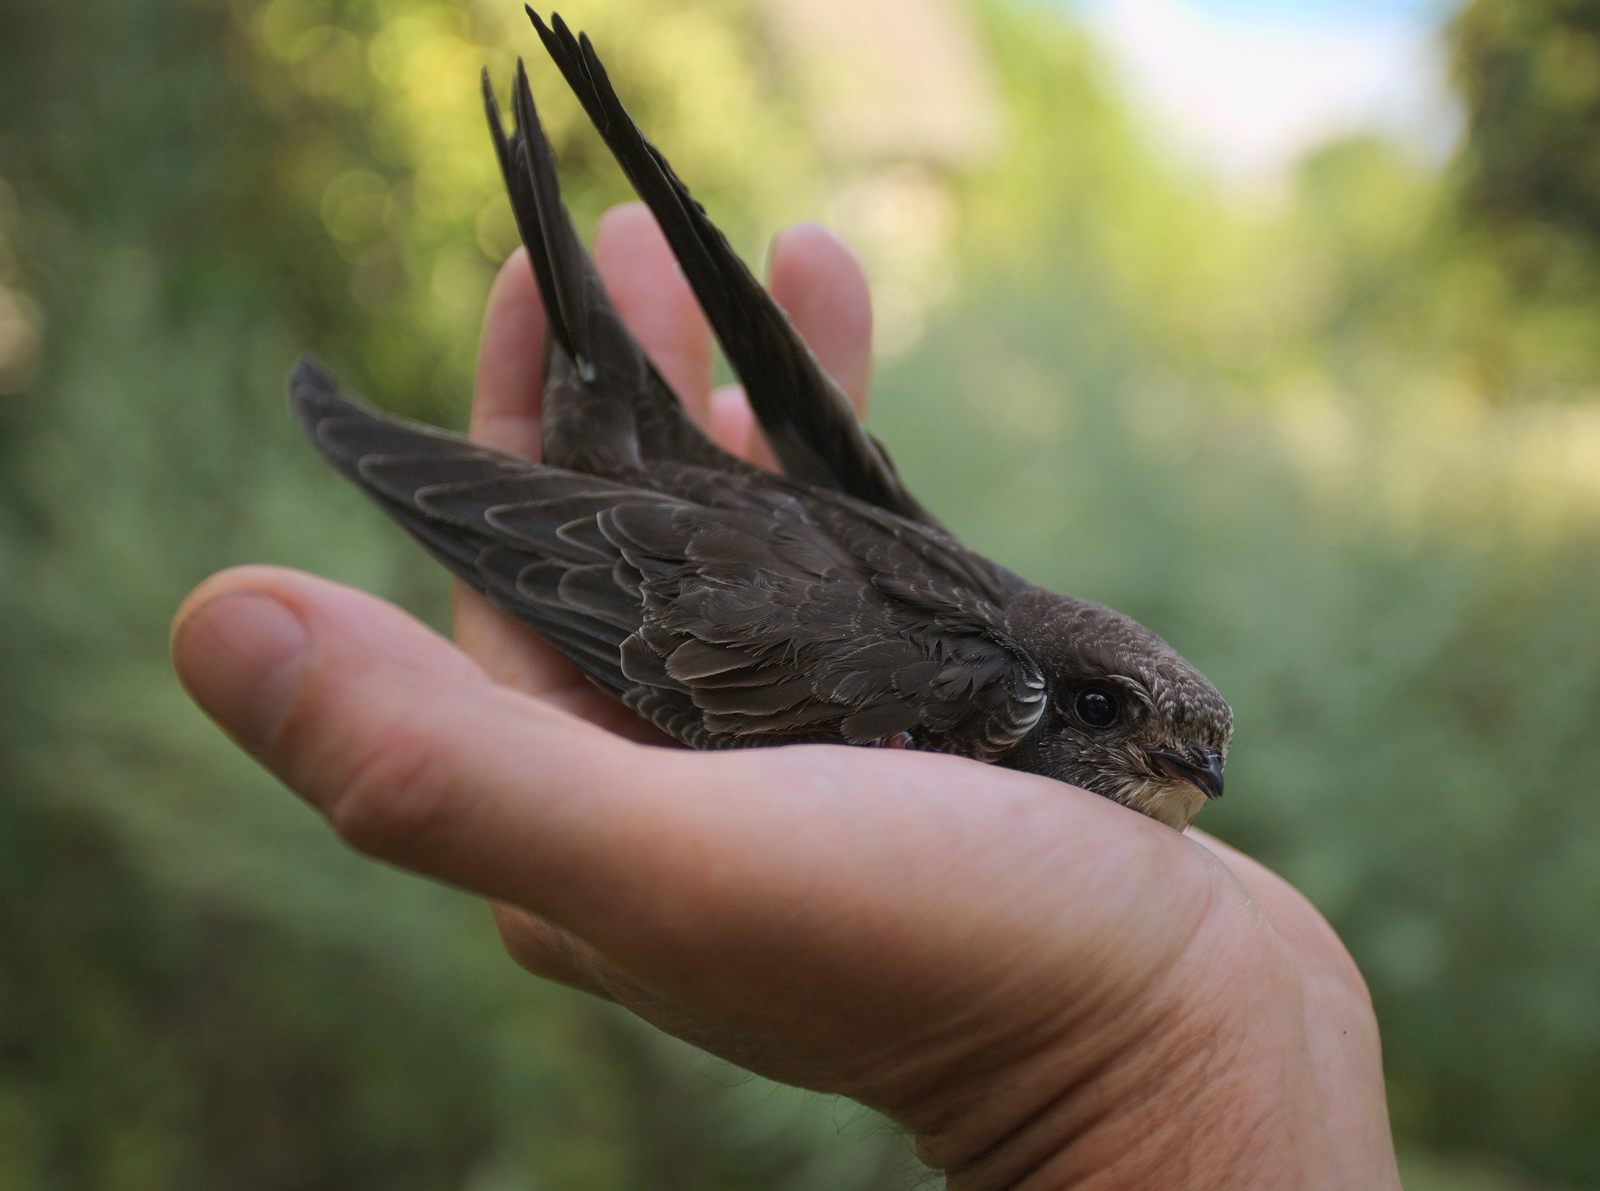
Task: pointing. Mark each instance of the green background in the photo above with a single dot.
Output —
(1342, 448)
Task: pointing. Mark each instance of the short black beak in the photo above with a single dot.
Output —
(1201, 768)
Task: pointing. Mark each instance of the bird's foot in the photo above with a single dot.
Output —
(899, 740)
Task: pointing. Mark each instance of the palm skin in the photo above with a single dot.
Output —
(1047, 989)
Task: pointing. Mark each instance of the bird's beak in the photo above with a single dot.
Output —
(1201, 768)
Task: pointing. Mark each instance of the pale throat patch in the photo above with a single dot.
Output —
(1173, 803)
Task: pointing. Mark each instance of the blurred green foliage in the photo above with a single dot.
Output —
(1530, 74)
(1530, 179)
(1343, 449)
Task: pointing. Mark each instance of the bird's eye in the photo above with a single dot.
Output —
(1096, 707)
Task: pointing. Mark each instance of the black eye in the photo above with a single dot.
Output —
(1096, 707)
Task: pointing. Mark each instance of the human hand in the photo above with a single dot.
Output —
(1047, 989)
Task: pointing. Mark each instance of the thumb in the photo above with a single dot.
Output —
(408, 749)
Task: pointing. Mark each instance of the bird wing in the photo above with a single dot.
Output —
(783, 621)
(751, 615)
(805, 416)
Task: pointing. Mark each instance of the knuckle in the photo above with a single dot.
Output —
(395, 796)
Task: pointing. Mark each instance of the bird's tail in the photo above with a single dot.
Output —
(602, 395)
(805, 416)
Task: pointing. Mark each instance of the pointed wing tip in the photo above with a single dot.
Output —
(557, 37)
(544, 30)
(523, 112)
(491, 113)
(491, 101)
(308, 370)
(314, 396)
(310, 384)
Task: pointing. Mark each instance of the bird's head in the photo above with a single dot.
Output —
(1127, 717)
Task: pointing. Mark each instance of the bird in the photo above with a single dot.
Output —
(731, 606)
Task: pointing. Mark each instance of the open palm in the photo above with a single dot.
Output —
(1046, 988)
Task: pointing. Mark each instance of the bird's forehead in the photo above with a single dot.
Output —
(1189, 706)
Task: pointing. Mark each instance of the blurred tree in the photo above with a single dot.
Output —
(1529, 72)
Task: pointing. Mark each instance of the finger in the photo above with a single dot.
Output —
(414, 756)
(506, 395)
(820, 285)
(650, 293)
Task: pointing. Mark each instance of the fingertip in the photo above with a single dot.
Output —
(820, 284)
(651, 293)
(230, 581)
(815, 245)
(515, 276)
(340, 621)
(238, 649)
(627, 221)
(509, 385)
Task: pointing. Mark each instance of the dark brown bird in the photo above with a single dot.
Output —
(732, 607)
